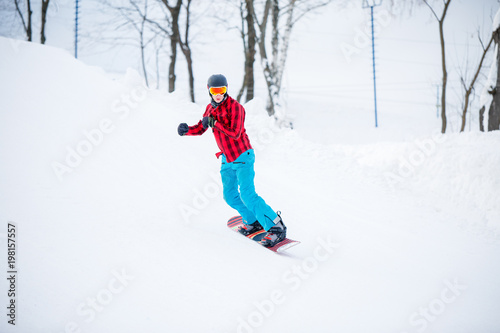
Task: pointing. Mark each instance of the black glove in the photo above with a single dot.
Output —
(208, 121)
(182, 129)
(211, 121)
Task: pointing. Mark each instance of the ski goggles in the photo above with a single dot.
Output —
(217, 90)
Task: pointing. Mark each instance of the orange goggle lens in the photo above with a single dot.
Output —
(218, 90)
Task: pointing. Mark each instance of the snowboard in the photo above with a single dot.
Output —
(235, 222)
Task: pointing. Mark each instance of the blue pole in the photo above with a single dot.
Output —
(374, 73)
(76, 28)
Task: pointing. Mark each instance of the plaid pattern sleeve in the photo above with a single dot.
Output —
(196, 129)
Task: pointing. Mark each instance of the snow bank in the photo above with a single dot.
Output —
(464, 170)
(454, 173)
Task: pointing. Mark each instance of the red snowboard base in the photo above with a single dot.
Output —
(235, 222)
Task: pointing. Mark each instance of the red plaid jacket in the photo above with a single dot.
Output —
(229, 130)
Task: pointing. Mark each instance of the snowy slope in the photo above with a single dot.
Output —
(121, 222)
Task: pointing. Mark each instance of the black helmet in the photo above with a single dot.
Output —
(217, 80)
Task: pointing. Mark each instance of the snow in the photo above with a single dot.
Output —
(121, 225)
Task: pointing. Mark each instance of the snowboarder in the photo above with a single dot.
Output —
(226, 117)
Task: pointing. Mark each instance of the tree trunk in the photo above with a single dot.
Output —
(171, 67)
(186, 50)
(280, 41)
(242, 89)
(157, 68)
(494, 111)
(187, 54)
(445, 77)
(29, 30)
(45, 6)
(27, 26)
(249, 80)
(263, 58)
(174, 40)
(275, 15)
(443, 60)
(464, 112)
(143, 60)
(249, 39)
(280, 66)
(143, 46)
(280, 33)
(481, 118)
(468, 90)
(244, 8)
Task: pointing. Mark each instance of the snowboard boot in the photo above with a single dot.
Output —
(275, 235)
(248, 229)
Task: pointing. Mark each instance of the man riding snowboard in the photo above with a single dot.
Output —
(226, 117)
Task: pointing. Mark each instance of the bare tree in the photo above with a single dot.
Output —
(140, 27)
(157, 60)
(248, 34)
(174, 34)
(26, 23)
(493, 108)
(45, 7)
(25, 13)
(282, 16)
(135, 15)
(186, 49)
(440, 20)
(249, 38)
(156, 21)
(269, 69)
(163, 27)
(261, 19)
(469, 88)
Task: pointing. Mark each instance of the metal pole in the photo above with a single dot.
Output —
(76, 28)
(374, 72)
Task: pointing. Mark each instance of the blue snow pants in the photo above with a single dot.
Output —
(239, 190)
